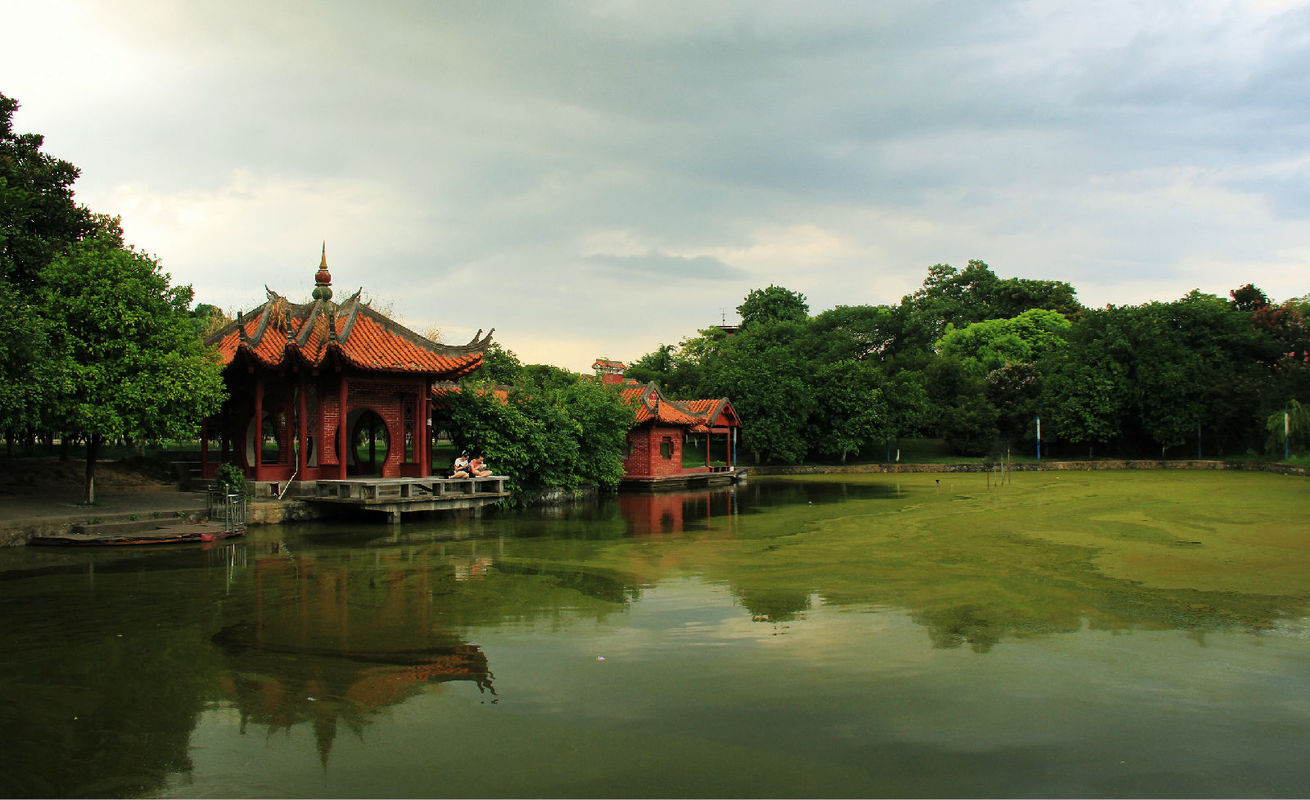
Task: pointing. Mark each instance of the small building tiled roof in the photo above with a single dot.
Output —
(653, 407)
(713, 413)
(278, 331)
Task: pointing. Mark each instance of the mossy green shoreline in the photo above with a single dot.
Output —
(1045, 553)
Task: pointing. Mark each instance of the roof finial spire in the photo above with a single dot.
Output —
(323, 279)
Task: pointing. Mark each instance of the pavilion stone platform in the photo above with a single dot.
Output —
(389, 496)
(396, 496)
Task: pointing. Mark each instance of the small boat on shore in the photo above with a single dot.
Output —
(114, 536)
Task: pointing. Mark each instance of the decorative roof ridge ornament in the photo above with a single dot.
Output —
(478, 344)
(323, 279)
(265, 317)
(355, 305)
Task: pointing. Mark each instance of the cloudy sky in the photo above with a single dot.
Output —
(597, 178)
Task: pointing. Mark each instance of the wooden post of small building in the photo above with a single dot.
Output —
(342, 435)
(426, 405)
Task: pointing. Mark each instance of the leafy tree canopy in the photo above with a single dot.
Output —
(500, 366)
(985, 346)
(546, 377)
(545, 439)
(774, 304)
(124, 348)
(38, 217)
(1248, 298)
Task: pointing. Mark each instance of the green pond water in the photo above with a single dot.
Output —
(1091, 635)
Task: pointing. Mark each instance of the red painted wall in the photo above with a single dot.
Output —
(644, 459)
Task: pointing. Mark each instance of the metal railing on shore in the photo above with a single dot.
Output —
(226, 506)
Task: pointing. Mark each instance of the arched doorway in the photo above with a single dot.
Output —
(270, 441)
(370, 442)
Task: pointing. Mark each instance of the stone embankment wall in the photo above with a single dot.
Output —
(1045, 466)
(18, 533)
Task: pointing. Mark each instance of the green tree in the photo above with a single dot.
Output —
(657, 365)
(959, 407)
(1289, 428)
(544, 377)
(602, 420)
(974, 294)
(552, 439)
(851, 409)
(994, 343)
(1197, 362)
(856, 332)
(124, 349)
(1248, 298)
(38, 219)
(774, 304)
(948, 295)
(501, 366)
(1085, 389)
(770, 383)
(26, 383)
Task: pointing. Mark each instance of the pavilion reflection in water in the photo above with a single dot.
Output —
(675, 512)
(333, 644)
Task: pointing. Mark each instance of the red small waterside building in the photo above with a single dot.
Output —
(656, 442)
(311, 385)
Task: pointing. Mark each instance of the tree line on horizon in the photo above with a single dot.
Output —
(975, 359)
(96, 345)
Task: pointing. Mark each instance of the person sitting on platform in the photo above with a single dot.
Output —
(461, 466)
(478, 468)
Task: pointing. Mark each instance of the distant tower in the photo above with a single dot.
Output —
(610, 372)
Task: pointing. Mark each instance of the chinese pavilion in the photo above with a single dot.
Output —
(659, 434)
(327, 390)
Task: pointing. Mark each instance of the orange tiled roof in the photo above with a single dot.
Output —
(653, 406)
(605, 365)
(716, 412)
(279, 330)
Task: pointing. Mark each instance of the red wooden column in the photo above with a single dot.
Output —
(342, 433)
(709, 436)
(259, 425)
(302, 433)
